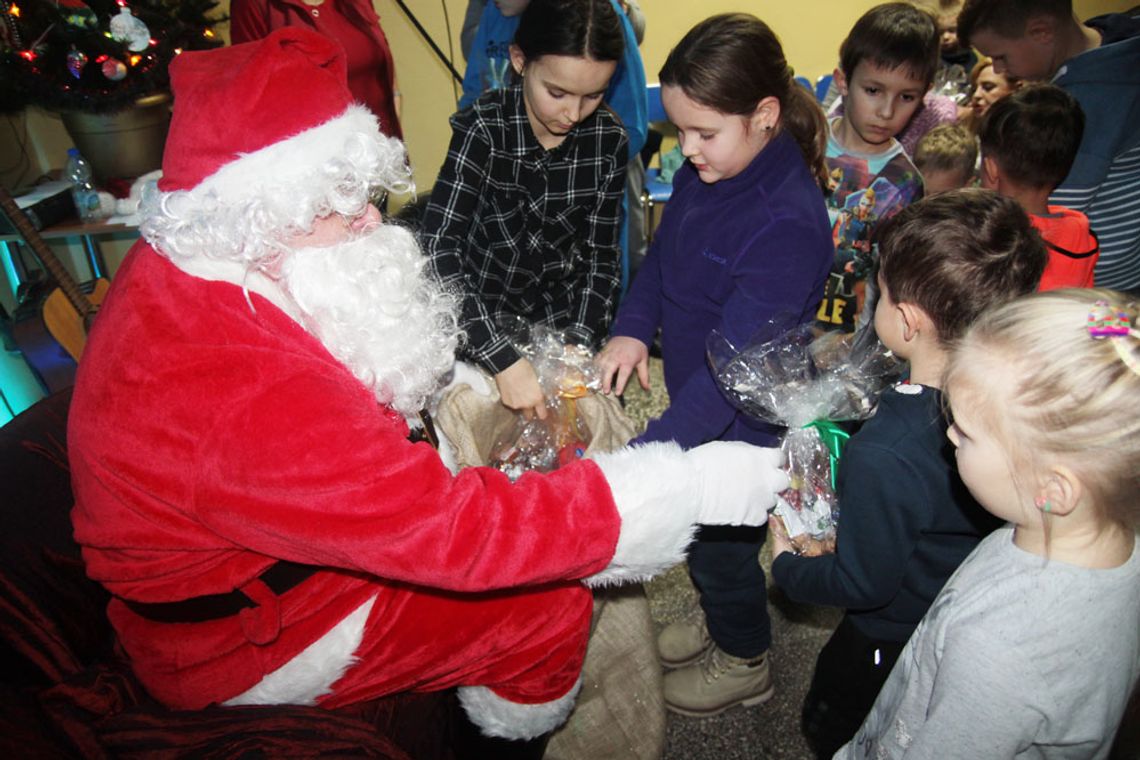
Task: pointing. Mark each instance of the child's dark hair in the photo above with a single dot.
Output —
(1033, 134)
(957, 254)
(730, 63)
(1007, 18)
(576, 28)
(947, 147)
(893, 35)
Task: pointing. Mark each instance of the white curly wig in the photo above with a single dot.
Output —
(243, 211)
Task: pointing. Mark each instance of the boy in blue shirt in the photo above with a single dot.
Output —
(906, 520)
(886, 65)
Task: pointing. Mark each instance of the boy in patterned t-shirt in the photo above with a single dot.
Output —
(886, 64)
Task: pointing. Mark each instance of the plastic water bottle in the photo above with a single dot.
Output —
(78, 172)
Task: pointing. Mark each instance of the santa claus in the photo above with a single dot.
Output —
(245, 483)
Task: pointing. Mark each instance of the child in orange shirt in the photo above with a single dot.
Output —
(1029, 140)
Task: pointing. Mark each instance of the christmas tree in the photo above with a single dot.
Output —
(96, 56)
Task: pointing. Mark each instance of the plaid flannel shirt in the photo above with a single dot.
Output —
(520, 230)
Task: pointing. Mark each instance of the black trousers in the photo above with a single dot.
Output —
(849, 673)
(724, 566)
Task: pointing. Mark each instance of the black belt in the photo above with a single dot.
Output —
(279, 577)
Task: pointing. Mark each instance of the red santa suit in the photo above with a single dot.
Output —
(210, 440)
(212, 436)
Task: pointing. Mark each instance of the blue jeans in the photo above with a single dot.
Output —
(724, 563)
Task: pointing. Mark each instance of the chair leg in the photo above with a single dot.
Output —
(649, 220)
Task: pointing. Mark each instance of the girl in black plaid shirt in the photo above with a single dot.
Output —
(525, 216)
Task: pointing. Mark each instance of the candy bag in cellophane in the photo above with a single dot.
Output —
(807, 383)
(566, 373)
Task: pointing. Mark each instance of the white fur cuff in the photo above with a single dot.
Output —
(500, 717)
(655, 489)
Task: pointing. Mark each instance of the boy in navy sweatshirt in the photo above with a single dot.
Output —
(907, 521)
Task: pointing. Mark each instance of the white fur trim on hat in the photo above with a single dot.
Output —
(243, 211)
(288, 161)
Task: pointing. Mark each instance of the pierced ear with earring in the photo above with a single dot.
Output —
(1043, 504)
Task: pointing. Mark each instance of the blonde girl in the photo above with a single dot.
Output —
(1034, 643)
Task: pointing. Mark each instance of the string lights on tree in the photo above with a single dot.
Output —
(96, 56)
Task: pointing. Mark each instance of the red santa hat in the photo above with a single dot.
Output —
(259, 116)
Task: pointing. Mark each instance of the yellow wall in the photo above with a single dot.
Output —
(811, 31)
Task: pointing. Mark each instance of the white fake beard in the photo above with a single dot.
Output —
(370, 303)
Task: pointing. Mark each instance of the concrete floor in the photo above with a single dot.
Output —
(770, 730)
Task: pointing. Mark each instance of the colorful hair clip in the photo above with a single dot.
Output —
(1108, 321)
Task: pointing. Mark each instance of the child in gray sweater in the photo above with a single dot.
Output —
(1032, 648)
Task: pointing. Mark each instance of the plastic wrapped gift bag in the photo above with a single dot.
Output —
(581, 421)
(807, 383)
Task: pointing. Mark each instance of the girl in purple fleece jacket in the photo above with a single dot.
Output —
(745, 238)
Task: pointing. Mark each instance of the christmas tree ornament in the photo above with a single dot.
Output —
(82, 18)
(76, 60)
(76, 13)
(126, 28)
(114, 69)
(54, 53)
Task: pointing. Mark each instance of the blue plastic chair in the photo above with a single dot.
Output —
(822, 85)
(655, 191)
(656, 107)
(805, 83)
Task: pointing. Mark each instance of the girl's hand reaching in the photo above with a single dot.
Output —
(519, 390)
(622, 355)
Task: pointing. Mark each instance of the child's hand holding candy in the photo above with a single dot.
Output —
(778, 536)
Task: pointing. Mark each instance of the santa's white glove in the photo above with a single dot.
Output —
(738, 482)
(663, 493)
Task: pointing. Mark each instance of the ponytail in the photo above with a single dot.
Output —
(803, 117)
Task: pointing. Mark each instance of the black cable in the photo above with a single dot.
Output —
(427, 37)
(450, 47)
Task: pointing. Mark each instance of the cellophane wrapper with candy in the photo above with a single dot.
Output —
(566, 373)
(806, 383)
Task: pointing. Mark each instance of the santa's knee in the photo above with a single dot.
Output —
(497, 716)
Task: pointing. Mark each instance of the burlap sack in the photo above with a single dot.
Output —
(620, 714)
(474, 422)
